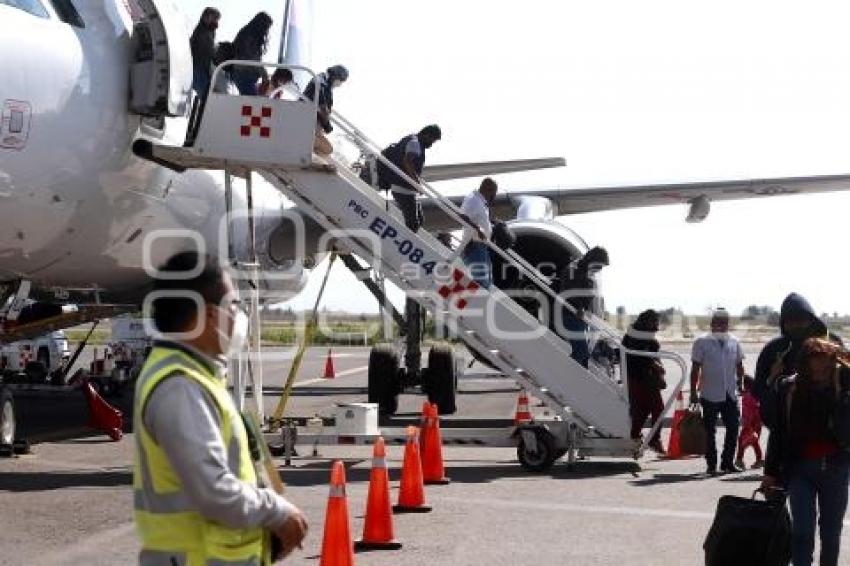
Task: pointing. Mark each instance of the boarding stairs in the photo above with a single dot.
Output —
(275, 137)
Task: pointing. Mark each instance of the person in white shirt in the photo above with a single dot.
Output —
(281, 86)
(718, 364)
(476, 211)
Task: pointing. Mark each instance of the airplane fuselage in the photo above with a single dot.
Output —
(76, 205)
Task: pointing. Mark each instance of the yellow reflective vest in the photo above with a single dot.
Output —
(172, 531)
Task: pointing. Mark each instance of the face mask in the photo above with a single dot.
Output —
(231, 345)
(799, 334)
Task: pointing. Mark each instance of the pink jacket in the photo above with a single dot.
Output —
(750, 413)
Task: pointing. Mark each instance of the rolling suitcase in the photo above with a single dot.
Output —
(750, 532)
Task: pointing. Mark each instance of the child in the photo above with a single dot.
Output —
(750, 425)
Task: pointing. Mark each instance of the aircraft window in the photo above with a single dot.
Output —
(34, 7)
(68, 13)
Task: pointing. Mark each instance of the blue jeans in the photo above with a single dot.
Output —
(245, 86)
(476, 256)
(201, 83)
(577, 335)
(818, 484)
(728, 411)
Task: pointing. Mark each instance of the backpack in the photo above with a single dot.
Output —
(394, 154)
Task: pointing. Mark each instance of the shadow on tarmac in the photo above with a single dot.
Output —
(317, 473)
(326, 391)
(657, 479)
(488, 392)
(742, 478)
(47, 481)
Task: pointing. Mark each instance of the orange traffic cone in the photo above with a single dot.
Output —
(523, 414)
(431, 447)
(378, 526)
(330, 373)
(336, 542)
(674, 449)
(411, 495)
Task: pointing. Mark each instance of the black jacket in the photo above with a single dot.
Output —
(785, 443)
(639, 368)
(326, 97)
(249, 47)
(202, 43)
(579, 286)
(395, 154)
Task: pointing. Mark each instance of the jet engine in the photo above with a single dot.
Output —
(546, 244)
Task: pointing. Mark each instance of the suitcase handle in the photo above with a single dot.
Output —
(771, 493)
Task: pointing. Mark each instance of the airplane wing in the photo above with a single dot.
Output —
(433, 173)
(698, 195)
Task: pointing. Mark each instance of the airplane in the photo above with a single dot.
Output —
(83, 81)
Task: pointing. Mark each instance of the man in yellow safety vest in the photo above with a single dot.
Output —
(196, 496)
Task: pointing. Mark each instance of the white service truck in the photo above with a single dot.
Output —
(51, 350)
(128, 347)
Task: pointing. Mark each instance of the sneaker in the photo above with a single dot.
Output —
(657, 448)
(711, 471)
(758, 464)
(740, 464)
(730, 469)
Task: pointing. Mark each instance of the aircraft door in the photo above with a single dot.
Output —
(161, 68)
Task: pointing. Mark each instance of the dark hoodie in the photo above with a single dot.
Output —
(786, 347)
(202, 43)
(576, 278)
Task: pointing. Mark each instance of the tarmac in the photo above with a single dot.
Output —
(70, 502)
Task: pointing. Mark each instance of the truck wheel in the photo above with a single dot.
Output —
(441, 378)
(8, 423)
(543, 456)
(383, 378)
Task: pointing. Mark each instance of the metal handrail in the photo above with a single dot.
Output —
(263, 65)
(683, 367)
(454, 213)
(369, 147)
(363, 142)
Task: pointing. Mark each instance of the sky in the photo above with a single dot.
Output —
(629, 93)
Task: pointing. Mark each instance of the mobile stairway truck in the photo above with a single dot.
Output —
(588, 407)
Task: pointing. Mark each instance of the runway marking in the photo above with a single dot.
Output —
(78, 552)
(598, 509)
(338, 374)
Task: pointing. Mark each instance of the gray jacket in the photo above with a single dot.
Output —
(184, 421)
